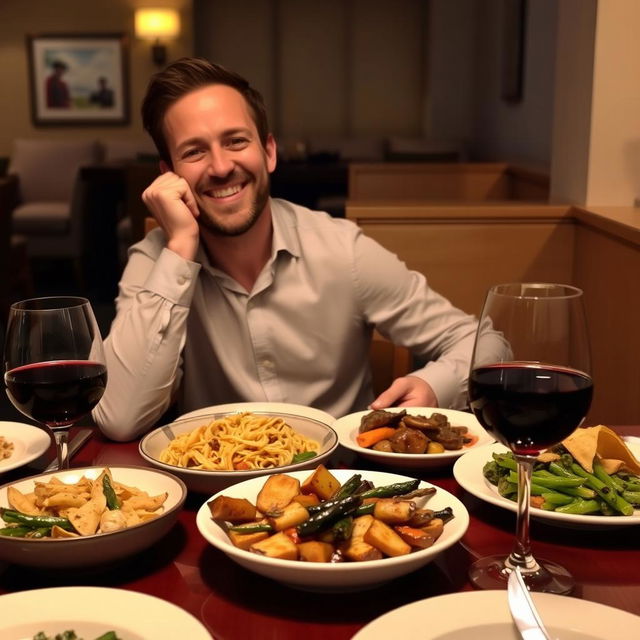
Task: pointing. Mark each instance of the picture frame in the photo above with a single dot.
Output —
(78, 79)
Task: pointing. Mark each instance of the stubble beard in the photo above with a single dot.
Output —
(218, 225)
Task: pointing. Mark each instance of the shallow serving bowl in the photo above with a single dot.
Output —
(346, 576)
(347, 430)
(311, 423)
(104, 547)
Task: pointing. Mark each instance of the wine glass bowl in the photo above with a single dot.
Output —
(55, 371)
(530, 387)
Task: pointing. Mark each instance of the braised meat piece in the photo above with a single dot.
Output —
(380, 418)
(449, 439)
(406, 440)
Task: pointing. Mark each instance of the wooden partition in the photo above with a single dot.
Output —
(470, 182)
(464, 249)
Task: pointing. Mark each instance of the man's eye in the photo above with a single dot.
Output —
(190, 153)
(238, 142)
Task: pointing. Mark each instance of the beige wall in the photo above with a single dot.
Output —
(19, 17)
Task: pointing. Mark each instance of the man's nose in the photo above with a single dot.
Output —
(220, 163)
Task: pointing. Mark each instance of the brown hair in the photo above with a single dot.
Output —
(184, 76)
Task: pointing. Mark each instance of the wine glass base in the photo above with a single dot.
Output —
(548, 577)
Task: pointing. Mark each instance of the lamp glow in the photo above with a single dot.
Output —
(157, 23)
(153, 24)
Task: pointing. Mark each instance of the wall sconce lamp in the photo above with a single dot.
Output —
(153, 24)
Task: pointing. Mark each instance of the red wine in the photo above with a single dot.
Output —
(57, 393)
(529, 407)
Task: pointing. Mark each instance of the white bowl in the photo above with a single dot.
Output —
(208, 482)
(104, 547)
(347, 430)
(346, 576)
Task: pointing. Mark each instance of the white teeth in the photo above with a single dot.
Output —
(224, 193)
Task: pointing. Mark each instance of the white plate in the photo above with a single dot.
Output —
(92, 611)
(343, 576)
(29, 443)
(257, 407)
(347, 430)
(485, 614)
(468, 472)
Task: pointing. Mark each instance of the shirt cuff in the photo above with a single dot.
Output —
(450, 390)
(173, 278)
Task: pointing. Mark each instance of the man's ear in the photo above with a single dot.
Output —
(164, 167)
(272, 153)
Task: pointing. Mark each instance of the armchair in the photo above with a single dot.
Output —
(49, 211)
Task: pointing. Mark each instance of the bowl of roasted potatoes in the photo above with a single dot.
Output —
(332, 529)
(86, 516)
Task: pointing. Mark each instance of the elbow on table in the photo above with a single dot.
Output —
(120, 427)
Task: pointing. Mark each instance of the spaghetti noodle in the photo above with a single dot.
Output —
(240, 441)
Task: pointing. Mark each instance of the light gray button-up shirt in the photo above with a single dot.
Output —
(187, 332)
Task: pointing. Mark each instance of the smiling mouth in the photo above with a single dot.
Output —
(226, 192)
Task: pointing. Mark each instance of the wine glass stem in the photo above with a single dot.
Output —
(521, 553)
(61, 436)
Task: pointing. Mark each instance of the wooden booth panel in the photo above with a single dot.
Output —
(462, 260)
(608, 269)
(432, 181)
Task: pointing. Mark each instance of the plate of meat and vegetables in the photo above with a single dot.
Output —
(411, 437)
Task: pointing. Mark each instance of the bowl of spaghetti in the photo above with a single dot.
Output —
(227, 444)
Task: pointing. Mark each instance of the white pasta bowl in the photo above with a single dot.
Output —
(311, 423)
(345, 576)
(102, 548)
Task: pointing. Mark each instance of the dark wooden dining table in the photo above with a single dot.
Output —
(234, 603)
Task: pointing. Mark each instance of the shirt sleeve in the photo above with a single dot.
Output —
(143, 348)
(403, 308)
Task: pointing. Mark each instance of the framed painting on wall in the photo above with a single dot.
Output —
(78, 79)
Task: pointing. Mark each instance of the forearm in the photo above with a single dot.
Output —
(143, 349)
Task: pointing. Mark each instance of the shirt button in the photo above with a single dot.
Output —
(267, 364)
(181, 279)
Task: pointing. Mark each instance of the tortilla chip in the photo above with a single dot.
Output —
(64, 500)
(146, 502)
(585, 444)
(25, 503)
(59, 532)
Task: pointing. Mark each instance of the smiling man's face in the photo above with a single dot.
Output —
(215, 146)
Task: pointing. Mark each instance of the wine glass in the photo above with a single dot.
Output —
(530, 387)
(54, 364)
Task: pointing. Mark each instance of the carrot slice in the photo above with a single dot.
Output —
(369, 438)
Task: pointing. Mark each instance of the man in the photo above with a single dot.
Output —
(57, 90)
(239, 297)
(103, 97)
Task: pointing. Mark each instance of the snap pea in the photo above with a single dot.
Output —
(391, 490)
(109, 493)
(579, 506)
(15, 532)
(329, 515)
(551, 482)
(342, 529)
(603, 476)
(35, 522)
(609, 495)
(632, 496)
(349, 487)
(556, 498)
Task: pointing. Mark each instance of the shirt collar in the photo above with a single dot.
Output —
(284, 237)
